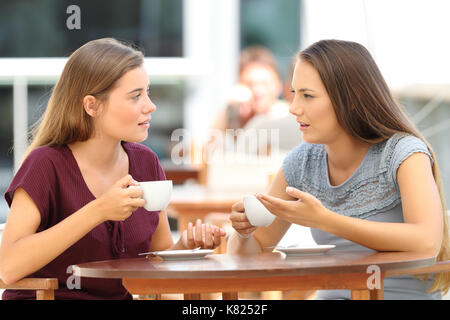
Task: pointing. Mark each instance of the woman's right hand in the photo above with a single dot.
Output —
(239, 220)
(120, 201)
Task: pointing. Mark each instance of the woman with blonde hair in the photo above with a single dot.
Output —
(364, 178)
(70, 201)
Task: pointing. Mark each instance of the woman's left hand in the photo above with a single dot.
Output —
(305, 211)
(203, 235)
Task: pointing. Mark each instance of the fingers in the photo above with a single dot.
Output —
(195, 235)
(137, 203)
(203, 235)
(198, 233)
(293, 192)
(216, 236)
(273, 204)
(135, 194)
(238, 206)
(270, 200)
(134, 191)
(209, 241)
(238, 217)
(126, 181)
(190, 236)
(240, 223)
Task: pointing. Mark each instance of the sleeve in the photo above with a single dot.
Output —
(405, 147)
(292, 166)
(37, 177)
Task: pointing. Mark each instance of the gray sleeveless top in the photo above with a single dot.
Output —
(371, 193)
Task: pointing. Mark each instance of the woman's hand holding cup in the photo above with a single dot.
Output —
(119, 201)
(240, 222)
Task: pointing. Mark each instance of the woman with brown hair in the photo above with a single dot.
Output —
(364, 179)
(70, 201)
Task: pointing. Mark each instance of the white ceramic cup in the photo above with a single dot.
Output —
(257, 214)
(156, 194)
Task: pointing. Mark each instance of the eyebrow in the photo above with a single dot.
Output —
(303, 89)
(138, 89)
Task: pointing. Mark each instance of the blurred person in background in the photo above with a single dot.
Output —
(255, 101)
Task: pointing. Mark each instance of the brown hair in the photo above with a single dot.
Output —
(93, 69)
(259, 55)
(366, 109)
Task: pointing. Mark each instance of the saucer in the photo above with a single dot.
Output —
(300, 251)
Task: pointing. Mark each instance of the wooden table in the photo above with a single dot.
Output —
(179, 174)
(230, 274)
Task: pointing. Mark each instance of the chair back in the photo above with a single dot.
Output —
(45, 287)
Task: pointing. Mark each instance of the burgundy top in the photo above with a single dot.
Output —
(52, 178)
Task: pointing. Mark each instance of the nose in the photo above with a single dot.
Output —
(149, 106)
(295, 108)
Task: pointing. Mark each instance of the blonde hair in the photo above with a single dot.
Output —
(93, 69)
(365, 108)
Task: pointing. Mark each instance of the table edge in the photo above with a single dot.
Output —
(202, 274)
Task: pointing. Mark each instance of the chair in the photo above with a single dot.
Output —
(45, 287)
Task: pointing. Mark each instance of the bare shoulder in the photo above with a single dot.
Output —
(416, 166)
(418, 189)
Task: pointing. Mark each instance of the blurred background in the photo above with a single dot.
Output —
(192, 53)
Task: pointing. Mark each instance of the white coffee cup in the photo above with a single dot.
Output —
(257, 214)
(156, 194)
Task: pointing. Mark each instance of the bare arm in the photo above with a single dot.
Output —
(23, 251)
(422, 214)
(162, 238)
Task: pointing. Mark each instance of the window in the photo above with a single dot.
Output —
(273, 24)
(6, 139)
(26, 25)
(34, 39)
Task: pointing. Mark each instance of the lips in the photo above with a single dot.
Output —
(144, 122)
(303, 124)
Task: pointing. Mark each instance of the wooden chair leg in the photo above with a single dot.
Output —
(45, 295)
(360, 294)
(229, 295)
(192, 296)
(377, 294)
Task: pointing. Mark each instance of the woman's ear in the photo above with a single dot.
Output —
(91, 105)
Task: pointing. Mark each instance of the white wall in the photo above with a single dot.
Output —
(408, 38)
(211, 36)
